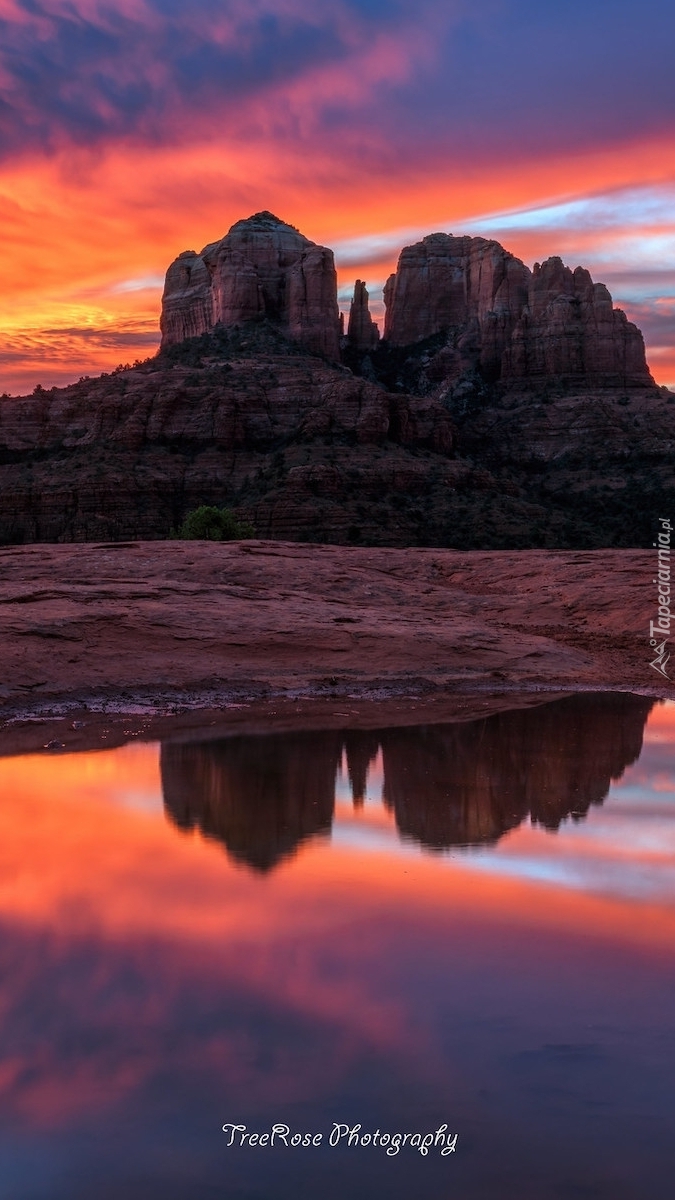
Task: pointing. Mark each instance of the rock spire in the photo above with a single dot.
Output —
(362, 331)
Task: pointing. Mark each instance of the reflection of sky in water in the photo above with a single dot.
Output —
(153, 984)
(624, 847)
(373, 796)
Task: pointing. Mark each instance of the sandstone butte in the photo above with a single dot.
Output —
(503, 408)
(498, 317)
(261, 268)
(510, 322)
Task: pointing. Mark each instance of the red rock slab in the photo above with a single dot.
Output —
(156, 627)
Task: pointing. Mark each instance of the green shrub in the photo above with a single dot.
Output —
(212, 524)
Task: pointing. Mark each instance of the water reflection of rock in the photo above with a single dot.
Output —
(360, 750)
(260, 796)
(467, 784)
(447, 785)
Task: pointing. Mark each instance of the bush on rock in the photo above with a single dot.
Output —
(212, 524)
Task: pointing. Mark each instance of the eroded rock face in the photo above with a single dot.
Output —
(261, 268)
(187, 303)
(468, 285)
(570, 328)
(306, 445)
(508, 322)
(362, 331)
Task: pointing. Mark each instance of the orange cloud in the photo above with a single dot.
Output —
(131, 131)
(88, 236)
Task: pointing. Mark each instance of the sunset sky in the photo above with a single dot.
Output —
(135, 129)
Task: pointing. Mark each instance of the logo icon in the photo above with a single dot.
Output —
(661, 660)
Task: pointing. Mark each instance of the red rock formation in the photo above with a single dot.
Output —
(507, 321)
(362, 331)
(130, 453)
(261, 268)
(361, 750)
(467, 285)
(571, 328)
(187, 304)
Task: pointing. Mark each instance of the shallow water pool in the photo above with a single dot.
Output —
(462, 933)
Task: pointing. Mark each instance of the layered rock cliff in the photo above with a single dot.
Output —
(310, 452)
(507, 322)
(261, 268)
(495, 316)
(502, 409)
(470, 287)
(307, 450)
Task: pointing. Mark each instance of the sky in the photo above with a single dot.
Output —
(135, 129)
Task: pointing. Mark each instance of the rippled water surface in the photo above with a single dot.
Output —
(469, 926)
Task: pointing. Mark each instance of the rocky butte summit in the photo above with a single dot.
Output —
(503, 407)
(493, 315)
(261, 268)
(511, 323)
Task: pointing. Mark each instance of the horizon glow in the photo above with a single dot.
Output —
(130, 132)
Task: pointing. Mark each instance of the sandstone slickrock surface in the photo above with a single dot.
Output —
(362, 332)
(261, 268)
(206, 623)
(508, 322)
